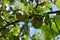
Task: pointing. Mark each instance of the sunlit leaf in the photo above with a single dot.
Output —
(47, 31)
(23, 7)
(48, 5)
(10, 36)
(16, 30)
(16, 8)
(57, 20)
(54, 27)
(36, 37)
(58, 3)
(4, 8)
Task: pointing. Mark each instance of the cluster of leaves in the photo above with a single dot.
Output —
(33, 11)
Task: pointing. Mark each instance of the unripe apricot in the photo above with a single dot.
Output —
(37, 23)
(20, 16)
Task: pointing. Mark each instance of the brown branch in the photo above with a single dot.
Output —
(6, 21)
(53, 12)
(38, 3)
(42, 3)
(9, 24)
(12, 23)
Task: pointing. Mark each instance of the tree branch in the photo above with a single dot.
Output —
(9, 24)
(53, 12)
(6, 21)
(40, 3)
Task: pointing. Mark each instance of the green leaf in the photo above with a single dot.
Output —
(26, 30)
(23, 7)
(54, 27)
(57, 20)
(4, 8)
(25, 37)
(10, 36)
(37, 11)
(11, 18)
(16, 30)
(47, 20)
(48, 6)
(58, 4)
(36, 37)
(23, 1)
(46, 31)
(1, 21)
(27, 8)
(11, 1)
(16, 8)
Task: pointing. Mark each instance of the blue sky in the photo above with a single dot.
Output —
(54, 8)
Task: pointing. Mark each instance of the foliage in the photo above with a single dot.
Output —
(34, 11)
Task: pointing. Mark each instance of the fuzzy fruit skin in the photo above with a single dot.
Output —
(37, 23)
(21, 17)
